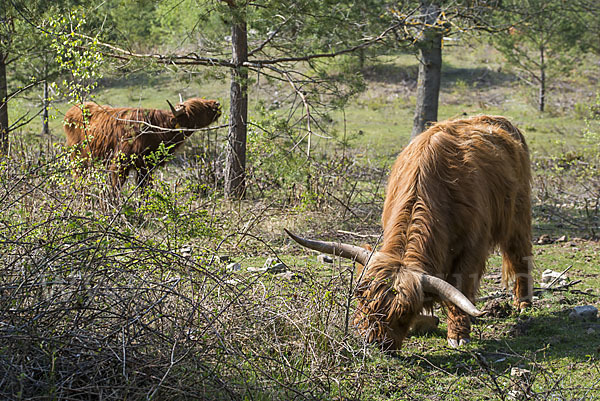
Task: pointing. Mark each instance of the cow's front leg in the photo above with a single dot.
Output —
(118, 174)
(459, 326)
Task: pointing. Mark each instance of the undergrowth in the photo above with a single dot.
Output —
(132, 295)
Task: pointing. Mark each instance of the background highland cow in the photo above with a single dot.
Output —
(124, 137)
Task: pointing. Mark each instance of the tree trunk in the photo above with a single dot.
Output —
(45, 127)
(542, 94)
(235, 180)
(3, 107)
(430, 70)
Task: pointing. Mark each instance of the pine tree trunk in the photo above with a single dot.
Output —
(430, 71)
(45, 126)
(235, 179)
(3, 107)
(542, 94)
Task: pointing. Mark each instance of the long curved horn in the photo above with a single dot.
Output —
(176, 113)
(347, 251)
(180, 98)
(449, 293)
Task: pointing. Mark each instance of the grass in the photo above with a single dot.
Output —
(129, 296)
(379, 120)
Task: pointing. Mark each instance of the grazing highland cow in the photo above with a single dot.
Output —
(124, 137)
(455, 192)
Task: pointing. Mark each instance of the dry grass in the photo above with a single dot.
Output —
(106, 296)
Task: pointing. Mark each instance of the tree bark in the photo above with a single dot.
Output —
(542, 94)
(45, 126)
(430, 70)
(235, 165)
(3, 107)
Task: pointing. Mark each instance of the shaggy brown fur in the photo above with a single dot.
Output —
(454, 193)
(124, 137)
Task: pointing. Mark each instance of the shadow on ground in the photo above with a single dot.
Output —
(549, 336)
(479, 77)
(133, 80)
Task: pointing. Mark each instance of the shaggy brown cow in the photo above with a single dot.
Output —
(124, 137)
(455, 192)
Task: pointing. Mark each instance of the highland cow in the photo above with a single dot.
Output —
(126, 137)
(455, 192)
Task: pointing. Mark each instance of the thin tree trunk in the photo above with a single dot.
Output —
(235, 167)
(3, 107)
(430, 70)
(45, 126)
(542, 94)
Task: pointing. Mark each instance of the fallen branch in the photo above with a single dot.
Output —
(563, 287)
(559, 276)
(495, 295)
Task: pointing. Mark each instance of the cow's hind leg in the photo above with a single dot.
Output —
(516, 267)
(517, 258)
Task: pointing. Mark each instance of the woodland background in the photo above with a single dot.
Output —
(189, 289)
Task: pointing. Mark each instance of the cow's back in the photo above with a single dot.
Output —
(456, 186)
(97, 126)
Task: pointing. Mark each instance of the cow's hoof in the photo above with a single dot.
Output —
(455, 343)
(522, 305)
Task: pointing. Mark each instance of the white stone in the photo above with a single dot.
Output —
(257, 269)
(548, 276)
(289, 275)
(322, 258)
(277, 268)
(186, 251)
(234, 267)
(520, 372)
(269, 262)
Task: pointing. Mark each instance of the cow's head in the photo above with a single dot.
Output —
(196, 112)
(389, 294)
